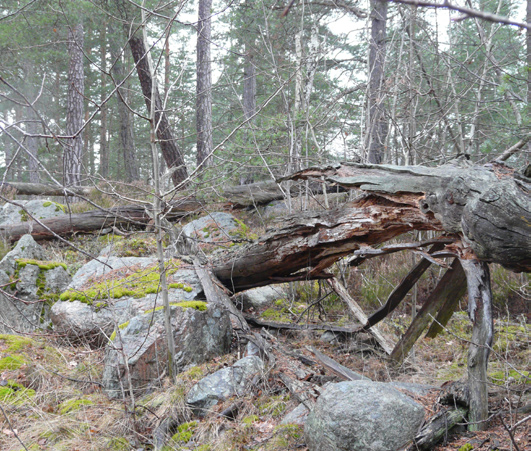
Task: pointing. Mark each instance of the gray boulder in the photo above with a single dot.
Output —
(199, 335)
(214, 227)
(101, 296)
(39, 209)
(33, 280)
(297, 416)
(227, 382)
(362, 416)
(262, 296)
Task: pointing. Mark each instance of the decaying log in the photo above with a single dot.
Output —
(316, 240)
(343, 372)
(42, 189)
(91, 221)
(290, 326)
(480, 312)
(216, 295)
(451, 286)
(438, 427)
(385, 342)
(489, 205)
(400, 292)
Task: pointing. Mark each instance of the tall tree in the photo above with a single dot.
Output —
(376, 129)
(104, 145)
(73, 154)
(168, 144)
(204, 82)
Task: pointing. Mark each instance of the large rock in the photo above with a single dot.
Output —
(260, 297)
(199, 335)
(362, 416)
(214, 227)
(39, 209)
(36, 282)
(111, 292)
(223, 384)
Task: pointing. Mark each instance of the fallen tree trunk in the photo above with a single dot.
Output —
(91, 221)
(316, 241)
(42, 189)
(490, 206)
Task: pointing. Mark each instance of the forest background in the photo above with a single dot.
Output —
(247, 95)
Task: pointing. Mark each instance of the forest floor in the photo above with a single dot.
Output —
(59, 404)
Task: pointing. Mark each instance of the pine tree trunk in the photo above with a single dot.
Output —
(376, 129)
(127, 139)
(73, 154)
(104, 146)
(204, 83)
(168, 144)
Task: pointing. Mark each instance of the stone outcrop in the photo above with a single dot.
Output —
(38, 209)
(227, 382)
(200, 332)
(362, 416)
(261, 297)
(31, 285)
(214, 227)
(112, 291)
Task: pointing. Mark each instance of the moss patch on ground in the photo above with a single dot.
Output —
(71, 405)
(16, 343)
(14, 393)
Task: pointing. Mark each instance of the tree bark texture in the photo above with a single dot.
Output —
(376, 130)
(127, 137)
(480, 312)
(490, 205)
(168, 144)
(204, 82)
(104, 145)
(73, 153)
(316, 240)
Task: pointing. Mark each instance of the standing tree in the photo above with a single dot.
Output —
(376, 126)
(73, 154)
(204, 83)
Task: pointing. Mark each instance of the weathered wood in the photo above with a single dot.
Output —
(385, 342)
(400, 292)
(342, 371)
(489, 205)
(216, 295)
(480, 312)
(91, 220)
(290, 326)
(438, 427)
(309, 243)
(451, 285)
(42, 189)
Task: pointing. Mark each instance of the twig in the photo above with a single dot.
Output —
(11, 427)
(511, 436)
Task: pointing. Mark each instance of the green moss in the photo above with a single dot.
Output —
(23, 216)
(273, 405)
(16, 342)
(250, 419)
(466, 447)
(15, 394)
(518, 377)
(44, 266)
(58, 206)
(137, 285)
(286, 436)
(507, 336)
(121, 327)
(12, 362)
(185, 432)
(198, 305)
(71, 405)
